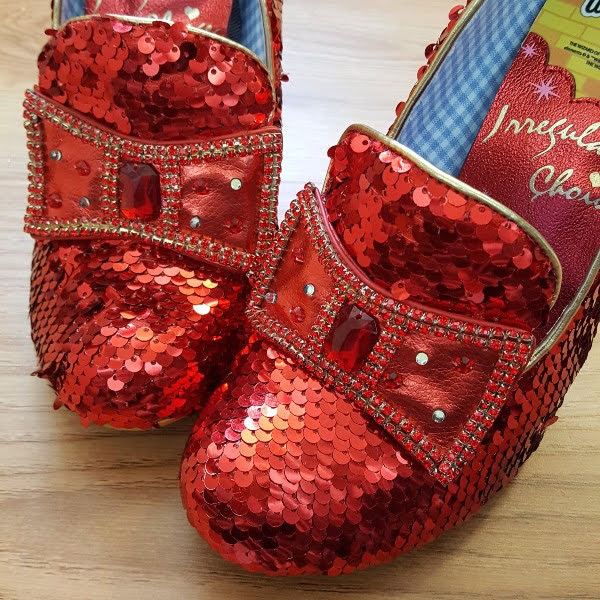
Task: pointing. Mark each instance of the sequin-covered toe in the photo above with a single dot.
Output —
(130, 335)
(286, 477)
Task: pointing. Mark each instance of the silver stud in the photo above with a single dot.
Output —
(195, 222)
(84, 202)
(309, 289)
(270, 297)
(422, 359)
(55, 154)
(236, 184)
(439, 416)
(34, 119)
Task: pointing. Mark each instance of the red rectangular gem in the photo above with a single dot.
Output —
(139, 184)
(352, 337)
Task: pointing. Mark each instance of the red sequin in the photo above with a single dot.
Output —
(155, 80)
(424, 241)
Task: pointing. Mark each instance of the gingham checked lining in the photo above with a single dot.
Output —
(245, 27)
(71, 9)
(444, 123)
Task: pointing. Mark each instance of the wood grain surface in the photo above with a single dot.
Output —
(95, 514)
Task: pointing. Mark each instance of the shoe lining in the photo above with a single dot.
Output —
(246, 27)
(444, 123)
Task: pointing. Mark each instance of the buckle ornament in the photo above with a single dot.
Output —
(171, 194)
(394, 360)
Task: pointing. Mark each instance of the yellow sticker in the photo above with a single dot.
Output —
(572, 30)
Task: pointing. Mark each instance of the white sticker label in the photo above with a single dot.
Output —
(590, 8)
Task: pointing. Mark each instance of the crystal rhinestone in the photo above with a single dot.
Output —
(352, 337)
(139, 184)
(236, 184)
(55, 154)
(83, 168)
(439, 416)
(195, 222)
(54, 201)
(84, 202)
(309, 289)
(298, 255)
(270, 297)
(235, 225)
(298, 314)
(422, 359)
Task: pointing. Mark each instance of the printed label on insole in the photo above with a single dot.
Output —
(572, 30)
(541, 144)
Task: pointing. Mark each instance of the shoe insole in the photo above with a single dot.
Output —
(507, 113)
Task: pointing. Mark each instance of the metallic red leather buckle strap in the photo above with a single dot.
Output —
(214, 199)
(434, 381)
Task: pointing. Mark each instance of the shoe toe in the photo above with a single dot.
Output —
(285, 477)
(130, 336)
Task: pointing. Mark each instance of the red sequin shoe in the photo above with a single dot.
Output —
(412, 341)
(155, 154)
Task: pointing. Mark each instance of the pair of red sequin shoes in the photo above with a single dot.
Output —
(413, 328)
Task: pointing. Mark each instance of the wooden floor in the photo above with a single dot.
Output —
(95, 514)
